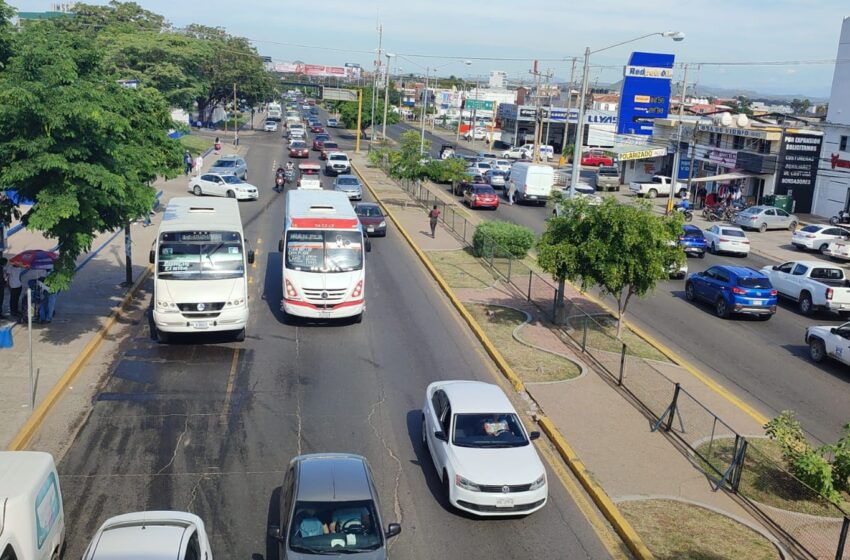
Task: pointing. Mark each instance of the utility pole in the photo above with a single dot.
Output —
(576, 174)
(359, 119)
(538, 115)
(386, 96)
(424, 108)
(375, 86)
(460, 116)
(674, 175)
(474, 114)
(569, 108)
(235, 119)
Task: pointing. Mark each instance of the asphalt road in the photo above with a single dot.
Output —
(209, 426)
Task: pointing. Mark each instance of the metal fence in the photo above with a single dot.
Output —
(809, 525)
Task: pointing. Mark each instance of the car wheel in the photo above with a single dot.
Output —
(806, 306)
(817, 350)
(240, 336)
(701, 255)
(162, 337)
(792, 226)
(231, 194)
(721, 309)
(823, 248)
(690, 294)
(762, 228)
(713, 248)
(197, 190)
(652, 193)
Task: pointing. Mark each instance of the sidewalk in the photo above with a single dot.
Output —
(610, 435)
(81, 312)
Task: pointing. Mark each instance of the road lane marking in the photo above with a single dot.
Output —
(228, 392)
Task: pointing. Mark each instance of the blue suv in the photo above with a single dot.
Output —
(693, 241)
(733, 289)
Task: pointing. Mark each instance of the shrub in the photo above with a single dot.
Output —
(445, 171)
(506, 238)
(841, 461)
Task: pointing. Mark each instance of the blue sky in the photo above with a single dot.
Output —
(717, 31)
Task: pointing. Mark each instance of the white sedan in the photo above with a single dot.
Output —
(818, 237)
(482, 452)
(727, 239)
(150, 534)
(270, 126)
(217, 184)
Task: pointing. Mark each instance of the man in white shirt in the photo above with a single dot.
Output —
(13, 272)
(199, 163)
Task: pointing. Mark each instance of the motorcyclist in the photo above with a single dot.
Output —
(289, 166)
(279, 178)
(684, 205)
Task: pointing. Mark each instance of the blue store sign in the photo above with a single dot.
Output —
(646, 92)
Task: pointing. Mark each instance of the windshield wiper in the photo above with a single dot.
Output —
(312, 550)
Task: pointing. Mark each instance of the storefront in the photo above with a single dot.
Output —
(518, 125)
(638, 162)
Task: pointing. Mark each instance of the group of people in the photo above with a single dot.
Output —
(192, 164)
(725, 195)
(15, 277)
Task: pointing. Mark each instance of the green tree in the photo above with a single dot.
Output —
(7, 12)
(623, 250)
(348, 111)
(745, 106)
(800, 106)
(84, 148)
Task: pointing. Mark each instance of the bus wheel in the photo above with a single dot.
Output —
(240, 336)
(161, 337)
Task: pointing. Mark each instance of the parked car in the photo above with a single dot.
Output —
(727, 239)
(838, 250)
(371, 218)
(764, 218)
(216, 184)
(658, 185)
(817, 237)
(477, 133)
(150, 534)
(827, 341)
(481, 196)
(608, 178)
(733, 290)
(547, 153)
(270, 126)
(328, 146)
(813, 285)
(595, 158)
(230, 165)
(496, 178)
(516, 153)
(482, 453)
(329, 506)
(298, 149)
(333, 123)
(693, 241)
(337, 163)
(350, 185)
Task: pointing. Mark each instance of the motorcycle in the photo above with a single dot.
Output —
(843, 217)
(279, 181)
(686, 213)
(713, 213)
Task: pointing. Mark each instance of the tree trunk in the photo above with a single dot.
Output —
(622, 304)
(560, 306)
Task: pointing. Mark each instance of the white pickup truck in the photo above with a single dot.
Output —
(813, 284)
(827, 341)
(658, 185)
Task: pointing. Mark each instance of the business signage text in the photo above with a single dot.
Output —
(732, 131)
(643, 154)
(645, 94)
(649, 72)
(799, 156)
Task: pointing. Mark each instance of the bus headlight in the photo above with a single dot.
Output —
(358, 290)
(166, 306)
(291, 292)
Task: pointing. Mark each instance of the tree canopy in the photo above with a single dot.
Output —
(621, 249)
(348, 110)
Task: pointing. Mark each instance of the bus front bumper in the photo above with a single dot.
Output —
(227, 320)
(301, 308)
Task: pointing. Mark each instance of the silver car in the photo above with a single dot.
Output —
(764, 218)
(496, 178)
(230, 165)
(329, 506)
(350, 185)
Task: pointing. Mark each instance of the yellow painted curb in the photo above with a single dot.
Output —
(473, 324)
(27, 431)
(600, 498)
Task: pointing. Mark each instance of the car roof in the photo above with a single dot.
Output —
(230, 156)
(332, 477)
(337, 154)
(368, 205)
(741, 271)
(153, 535)
(475, 397)
(347, 176)
(724, 226)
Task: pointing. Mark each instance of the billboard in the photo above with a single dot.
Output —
(646, 92)
(798, 164)
(349, 71)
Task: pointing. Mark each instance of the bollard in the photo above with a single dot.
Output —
(530, 277)
(622, 364)
(584, 337)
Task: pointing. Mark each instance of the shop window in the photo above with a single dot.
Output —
(764, 147)
(842, 144)
(738, 142)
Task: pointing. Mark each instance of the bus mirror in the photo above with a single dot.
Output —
(250, 256)
(280, 246)
(151, 257)
(368, 245)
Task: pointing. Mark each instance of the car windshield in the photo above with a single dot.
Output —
(298, 145)
(232, 179)
(347, 181)
(271, 123)
(331, 145)
(324, 251)
(497, 173)
(200, 255)
(225, 163)
(334, 527)
(732, 232)
(339, 158)
(755, 282)
(488, 430)
(368, 211)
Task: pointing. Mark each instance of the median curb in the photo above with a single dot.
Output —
(33, 423)
(624, 530)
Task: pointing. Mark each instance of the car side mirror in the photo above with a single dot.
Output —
(534, 435)
(280, 246)
(774, 267)
(274, 532)
(441, 435)
(151, 257)
(393, 530)
(251, 256)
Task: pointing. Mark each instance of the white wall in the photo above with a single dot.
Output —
(642, 169)
(832, 184)
(839, 100)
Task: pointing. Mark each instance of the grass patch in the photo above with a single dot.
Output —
(601, 335)
(529, 363)
(675, 530)
(763, 479)
(461, 270)
(195, 144)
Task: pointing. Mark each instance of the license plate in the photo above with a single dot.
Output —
(370, 229)
(200, 324)
(759, 302)
(324, 315)
(504, 502)
(533, 197)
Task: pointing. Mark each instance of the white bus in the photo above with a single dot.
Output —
(200, 272)
(324, 257)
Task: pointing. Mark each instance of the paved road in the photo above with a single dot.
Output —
(210, 427)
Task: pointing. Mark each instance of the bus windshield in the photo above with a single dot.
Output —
(324, 251)
(200, 255)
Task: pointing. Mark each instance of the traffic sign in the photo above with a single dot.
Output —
(478, 105)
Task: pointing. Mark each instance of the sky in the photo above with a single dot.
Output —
(333, 32)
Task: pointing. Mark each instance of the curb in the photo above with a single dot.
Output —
(625, 531)
(608, 508)
(28, 430)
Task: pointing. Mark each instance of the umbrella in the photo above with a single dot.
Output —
(35, 259)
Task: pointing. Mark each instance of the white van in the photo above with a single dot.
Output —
(546, 152)
(532, 182)
(32, 519)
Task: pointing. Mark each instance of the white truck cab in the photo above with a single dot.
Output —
(310, 176)
(658, 185)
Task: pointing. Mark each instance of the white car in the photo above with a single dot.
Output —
(478, 133)
(727, 239)
(479, 167)
(501, 165)
(482, 452)
(516, 153)
(270, 126)
(829, 341)
(150, 534)
(818, 237)
(217, 184)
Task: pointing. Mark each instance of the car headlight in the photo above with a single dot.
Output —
(539, 482)
(466, 484)
(382, 224)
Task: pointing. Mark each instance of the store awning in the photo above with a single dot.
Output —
(728, 177)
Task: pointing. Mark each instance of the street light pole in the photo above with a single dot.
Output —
(674, 174)
(424, 108)
(375, 87)
(576, 172)
(386, 96)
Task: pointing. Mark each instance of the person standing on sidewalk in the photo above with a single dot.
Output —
(13, 279)
(48, 301)
(187, 162)
(3, 262)
(511, 193)
(434, 216)
(199, 163)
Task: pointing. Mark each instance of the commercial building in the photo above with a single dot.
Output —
(517, 122)
(832, 192)
(498, 79)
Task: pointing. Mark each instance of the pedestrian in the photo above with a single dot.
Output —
(48, 301)
(199, 163)
(187, 162)
(13, 273)
(217, 145)
(701, 193)
(434, 215)
(511, 193)
(3, 262)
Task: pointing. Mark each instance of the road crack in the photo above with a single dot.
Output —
(176, 446)
(397, 483)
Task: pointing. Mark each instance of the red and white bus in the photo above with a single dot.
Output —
(324, 257)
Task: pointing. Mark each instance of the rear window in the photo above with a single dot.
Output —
(812, 229)
(732, 233)
(755, 282)
(695, 233)
(609, 171)
(331, 145)
(484, 190)
(827, 274)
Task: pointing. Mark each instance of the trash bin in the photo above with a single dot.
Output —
(783, 201)
(768, 199)
(6, 336)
